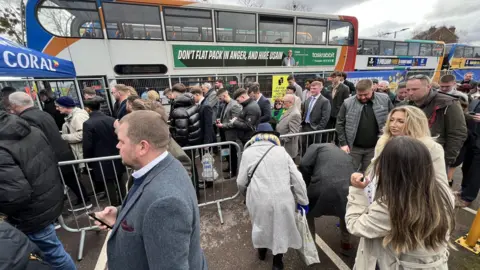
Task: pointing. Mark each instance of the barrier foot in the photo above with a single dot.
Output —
(462, 241)
(470, 241)
(81, 245)
(220, 212)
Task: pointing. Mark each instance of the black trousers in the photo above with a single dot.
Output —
(471, 172)
(233, 159)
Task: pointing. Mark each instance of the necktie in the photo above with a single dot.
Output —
(310, 106)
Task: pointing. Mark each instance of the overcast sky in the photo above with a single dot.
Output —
(390, 15)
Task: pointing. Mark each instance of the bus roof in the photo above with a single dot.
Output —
(400, 40)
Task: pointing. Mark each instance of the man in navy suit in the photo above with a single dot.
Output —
(263, 102)
(206, 116)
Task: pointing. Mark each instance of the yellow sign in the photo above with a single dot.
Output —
(279, 86)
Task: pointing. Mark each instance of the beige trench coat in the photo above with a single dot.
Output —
(72, 131)
(372, 223)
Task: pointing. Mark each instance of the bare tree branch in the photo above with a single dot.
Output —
(297, 5)
(250, 3)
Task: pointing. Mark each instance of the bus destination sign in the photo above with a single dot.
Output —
(239, 56)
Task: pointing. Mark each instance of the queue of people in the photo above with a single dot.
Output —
(384, 143)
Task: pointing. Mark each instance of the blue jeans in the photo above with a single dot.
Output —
(52, 248)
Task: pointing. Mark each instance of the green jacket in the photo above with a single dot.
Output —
(446, 121)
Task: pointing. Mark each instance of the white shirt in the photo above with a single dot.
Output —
(200, 101)
(149, 166)
(258, 97)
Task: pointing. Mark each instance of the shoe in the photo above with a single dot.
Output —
(346, 246)
(277, 262)
(462, 203)
(262, 253)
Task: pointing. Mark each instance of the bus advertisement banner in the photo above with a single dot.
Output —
(472, 62)
(396, 61)
(245, 56)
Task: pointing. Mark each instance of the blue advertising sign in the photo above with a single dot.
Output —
(396, 61)
(18, 61)
(392, 76)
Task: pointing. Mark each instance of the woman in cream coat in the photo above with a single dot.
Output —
(412, 122)
(408, 223)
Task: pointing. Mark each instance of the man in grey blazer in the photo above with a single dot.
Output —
(315, 115)
(290, 123)
(227, 133)
(158, 224)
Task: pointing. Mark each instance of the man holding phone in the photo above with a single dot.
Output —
(158, 225)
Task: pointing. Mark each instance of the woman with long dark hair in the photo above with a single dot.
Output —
(408, 223)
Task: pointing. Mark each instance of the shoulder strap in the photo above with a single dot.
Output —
(250, 174)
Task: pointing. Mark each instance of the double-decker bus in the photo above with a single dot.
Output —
(157, 43)
(416, 56)
(462, 58)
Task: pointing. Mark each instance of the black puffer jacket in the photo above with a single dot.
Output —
(17, 252)
(185, 121)
(31, 192)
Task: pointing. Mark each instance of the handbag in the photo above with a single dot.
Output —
(250, 174)
(308, 252)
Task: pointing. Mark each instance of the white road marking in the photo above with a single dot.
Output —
(102, 257)
(470, 210)
(330, 253)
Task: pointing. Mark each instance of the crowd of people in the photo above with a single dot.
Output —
(385, 141)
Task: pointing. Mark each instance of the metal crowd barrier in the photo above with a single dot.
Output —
(209, 162)
(308, 138)
(217, 188)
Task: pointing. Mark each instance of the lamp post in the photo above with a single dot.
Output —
(395, 32)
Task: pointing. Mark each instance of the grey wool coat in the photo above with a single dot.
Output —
(326, 170)
(159, 225)
(275, 189)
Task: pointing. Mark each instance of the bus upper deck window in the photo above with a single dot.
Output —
(426, 50)
(341, 33)
(235, 27)
(468, 52)
(70, 18)
(311, 31)
(401, 48)
(275, 29)
(413, 49)
(370, 47)
(387, 47)
(459, 51)
(438, 49)
(127, 21)
(476, 52)
(188, 24)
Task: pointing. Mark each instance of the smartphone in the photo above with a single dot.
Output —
(92, 215)
(472, 113)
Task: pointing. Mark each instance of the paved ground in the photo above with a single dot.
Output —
(229, 246)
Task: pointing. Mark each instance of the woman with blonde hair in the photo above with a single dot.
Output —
(153, 95)
(412, 122)
(408, 223)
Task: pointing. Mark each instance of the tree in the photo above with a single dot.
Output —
(250, 3)
(297, 5)
(12, 21)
